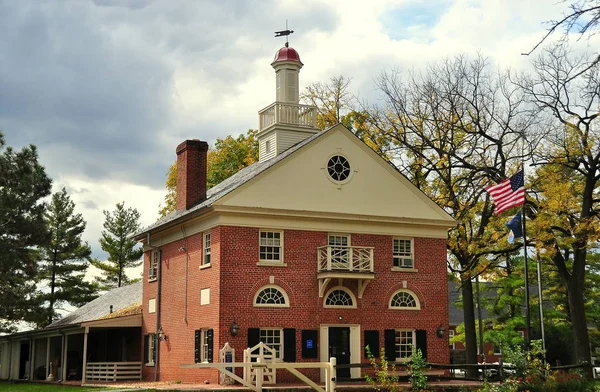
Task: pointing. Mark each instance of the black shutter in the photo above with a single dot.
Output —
(371, 339)
(197, 335)
(289, 345)
(309, 343)
(389, 336)
(253, 337)
(209, 341)
(146, 348)
(422, 342)
(155, 340)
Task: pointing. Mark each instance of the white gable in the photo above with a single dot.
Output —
(301, 183)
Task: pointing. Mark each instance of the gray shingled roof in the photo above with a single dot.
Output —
(488, 291)
(119, 298)
(231, 183)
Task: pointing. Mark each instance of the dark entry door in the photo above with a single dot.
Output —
(339, 347)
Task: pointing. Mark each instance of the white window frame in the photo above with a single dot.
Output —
(411, 293)
(271, 286)
(451, 334)
(270, 262)
(412, 344)
(206, 249)
(341, 257)
(402, 256)
(152, 305)
(280, 346)
(204, 345)
(342, 288)
(151, 343)
(497, 349)
(153, 267)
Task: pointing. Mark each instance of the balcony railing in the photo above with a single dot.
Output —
(345, 259)
(113, 371)
(288, 113)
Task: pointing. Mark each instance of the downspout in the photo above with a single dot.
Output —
(158, 290)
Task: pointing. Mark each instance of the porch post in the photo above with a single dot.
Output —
(85, 339)
(48, 370)
(32, 359)
(63, 365)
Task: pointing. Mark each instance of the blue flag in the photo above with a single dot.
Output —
(516, 229)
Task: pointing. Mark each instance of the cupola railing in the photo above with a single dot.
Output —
(304, 116)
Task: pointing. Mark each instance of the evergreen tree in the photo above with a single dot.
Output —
(117, 240)
(23, 183)
(66, 256)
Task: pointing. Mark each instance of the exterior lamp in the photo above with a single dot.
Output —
(441, 331)
(234, 329)
(161, 334)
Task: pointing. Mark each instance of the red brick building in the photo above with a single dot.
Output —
(318, 250)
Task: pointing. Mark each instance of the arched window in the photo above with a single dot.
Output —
(273, 296)
(405, 299)
(339, 297)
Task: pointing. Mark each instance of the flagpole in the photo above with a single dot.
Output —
(527, 310)
(539, 277)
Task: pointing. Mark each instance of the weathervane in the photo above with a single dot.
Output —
(285, 33)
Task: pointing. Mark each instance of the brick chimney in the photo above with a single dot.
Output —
(191, 173)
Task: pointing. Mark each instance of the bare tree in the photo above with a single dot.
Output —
(582, 17)
(455, 129)
(566, 88)
(332, 99)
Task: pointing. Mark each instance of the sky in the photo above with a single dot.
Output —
(106, 89)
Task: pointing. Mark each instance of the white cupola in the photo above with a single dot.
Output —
(285, 122)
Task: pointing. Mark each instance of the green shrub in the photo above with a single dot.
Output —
(384, 379)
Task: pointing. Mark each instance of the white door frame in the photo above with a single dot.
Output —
(355, 349)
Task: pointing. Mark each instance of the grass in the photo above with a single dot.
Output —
(35, 387)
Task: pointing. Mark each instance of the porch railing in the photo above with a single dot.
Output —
(113, 371)
(288, 113)
(345, 259)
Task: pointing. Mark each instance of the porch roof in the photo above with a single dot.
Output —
(124, 300)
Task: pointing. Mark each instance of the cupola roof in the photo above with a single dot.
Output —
(287, 54)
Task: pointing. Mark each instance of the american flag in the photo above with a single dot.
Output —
(508, 193)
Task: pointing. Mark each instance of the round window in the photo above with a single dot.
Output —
(338, 168)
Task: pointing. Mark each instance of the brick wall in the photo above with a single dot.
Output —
(235, 278)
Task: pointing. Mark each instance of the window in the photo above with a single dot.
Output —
(205, 296)
(268, 146)
(340, 247)
(450, 337)
(281, 340)
(150, 349)
(153, 268)
(339, 298)
(405, 340)
(206, 249)
(152, 305)
(338, 168)
(272, 296)
(203, 345)
(271, 246)
(273, 339)
(405, 299)
(497, 349)
(403, 254)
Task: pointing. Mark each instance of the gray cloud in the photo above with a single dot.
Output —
(92, 83)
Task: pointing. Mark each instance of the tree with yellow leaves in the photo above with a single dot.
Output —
(226, 158)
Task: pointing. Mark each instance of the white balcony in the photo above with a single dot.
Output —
(345, 262)
(285, 113)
